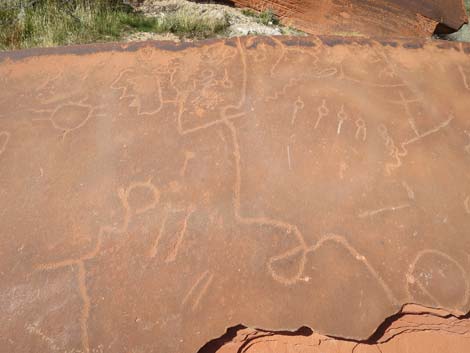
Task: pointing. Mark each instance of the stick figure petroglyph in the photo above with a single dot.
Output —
(298, 106)
(322, 112)
(361, 131)
(342, 116)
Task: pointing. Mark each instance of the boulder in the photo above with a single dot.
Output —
(375, 18)
(154, 194)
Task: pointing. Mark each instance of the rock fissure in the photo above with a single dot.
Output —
(412, 320)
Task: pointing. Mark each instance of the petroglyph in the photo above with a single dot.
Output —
(171, 257)
(147, 185)
(382, 210)
(4, 139)
(198, 290)
(292, 82)
(361, 131)
(467, 147)
(34, 330)
(411, 279)
(391, 148)
(70, 117)
(429, 132)
(79, 263)
(85, 312)
(465, 77)
(323, 111)
(188, 155)
(154, 248)
(143, 89)
(342, 116)
(398, 153)
(405, 102)
(305, 251)
(343, 76)
(289, 160)
(222, 193)
(298, 106)
(409, 190)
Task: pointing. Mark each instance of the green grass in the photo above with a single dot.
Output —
(49, 23)
(267, 17)
(182, 23)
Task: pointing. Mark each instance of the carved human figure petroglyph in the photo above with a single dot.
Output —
(361, 131)
(323, 111)
(298, 106)
(342, 116)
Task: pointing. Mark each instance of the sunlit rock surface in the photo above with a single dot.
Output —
(154, 194)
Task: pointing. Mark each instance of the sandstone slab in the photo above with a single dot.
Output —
(415, 18)
(154, 194)
(410, 332)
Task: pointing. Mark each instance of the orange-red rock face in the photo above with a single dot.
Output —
(376, 18)
(153, 194)
(417, 333)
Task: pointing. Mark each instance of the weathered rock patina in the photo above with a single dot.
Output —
(154, 194)
(409, 18)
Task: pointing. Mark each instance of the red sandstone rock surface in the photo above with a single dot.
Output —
(417, 333)
(154, 194)
(415, 18)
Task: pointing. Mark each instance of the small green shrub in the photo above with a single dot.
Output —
(249, 12)
(268, 17)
